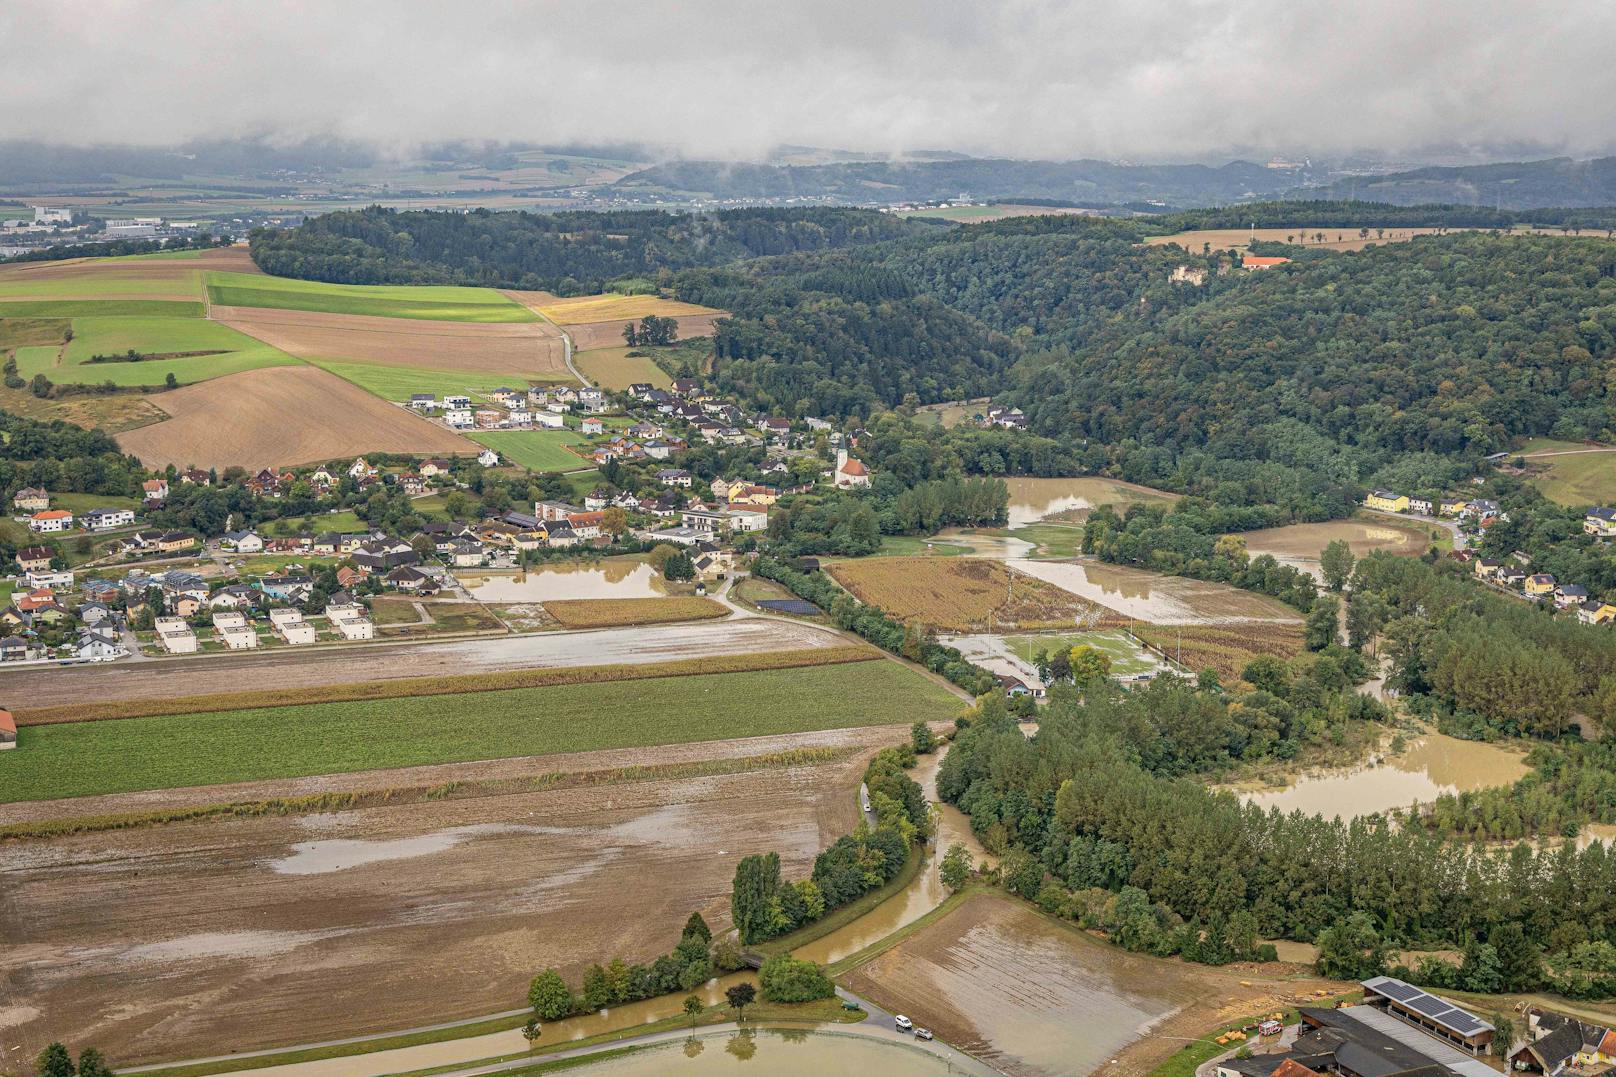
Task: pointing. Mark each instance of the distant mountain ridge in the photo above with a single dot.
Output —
(1558, 181)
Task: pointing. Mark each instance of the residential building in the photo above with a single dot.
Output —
(1420, 505)
(1556, 1043)
(242, 542)
(8, 731)
(31, 499)
(155, 489)
(550, 420)
(1568, 595)
(49, 577)
(746, 518)
(1540, 584)
(1596, 612)
(422, 401)
(97, 645)
(591, 425)
(488, 458)
(108, 519)
(456, 400)
(290, 626)
(1451, 506)
(591, 399)
(50, 521)
(1600, 522)
(1386, 501)
(175, 635)
(432, 469)
(175, 541)
(458, 418)
(35, 558)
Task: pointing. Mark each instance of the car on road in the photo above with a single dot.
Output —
(922, 1033)
(903, 1023)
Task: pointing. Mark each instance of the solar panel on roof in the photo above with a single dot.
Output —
(1400, 991)
(1430, 1007)
(1462, 1023)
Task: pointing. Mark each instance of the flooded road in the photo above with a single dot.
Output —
(1433, 764)
(604, 579)
(1162, 600)
(922, 895)
(786, 1053)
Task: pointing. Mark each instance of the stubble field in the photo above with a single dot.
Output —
(280, 416)
(964, 594)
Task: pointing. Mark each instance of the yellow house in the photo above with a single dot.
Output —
(1540, 584)
(1386, 501)
(1451, 506)
(1601, 522)
(1595, 612)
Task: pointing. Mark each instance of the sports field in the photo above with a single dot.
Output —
(436, 302)
(536, 450)
(171, 751)
(1128, 658)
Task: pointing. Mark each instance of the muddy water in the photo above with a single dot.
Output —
(1299, 545)
(606, 579)
(338, 854)
(786, 1053)
(1162, 600)
(1432, 765)
(1033, 499)
(922, 895)
(986, 543)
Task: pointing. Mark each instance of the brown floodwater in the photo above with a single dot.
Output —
(922, 895)
(1033, 499)
(789, 1053)
(1431, 765)
(1162, 600)
(602, 579)
(1299, 545)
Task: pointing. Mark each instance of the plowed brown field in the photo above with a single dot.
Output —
(608, 334)
(150, 278)
(963, 594)
(278, 416)
(597, 321)
(530, 349)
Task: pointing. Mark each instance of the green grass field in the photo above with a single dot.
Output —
(911, 546)
(1052, 540)
(149, 336)
(100, 308)
(536, 450)
(86, 758)
(397, 383)
(91, 285)
(437, 302)
(86, 502)
(1575, 477)
(344, 521)
(1128, 659)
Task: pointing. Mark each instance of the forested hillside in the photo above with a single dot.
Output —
(567, 253)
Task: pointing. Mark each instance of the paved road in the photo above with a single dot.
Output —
(1460, 539)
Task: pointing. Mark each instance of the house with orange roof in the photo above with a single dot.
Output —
(51, 520)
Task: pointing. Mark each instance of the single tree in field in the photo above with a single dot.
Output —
(921, 736)
(54, 1061)
(1335, 563)
(532, 1031)
(549, 996)
(740, 997)
(696, 927)
(694, 1009)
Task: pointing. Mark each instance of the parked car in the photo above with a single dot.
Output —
(903, 1023)
(922, 1033)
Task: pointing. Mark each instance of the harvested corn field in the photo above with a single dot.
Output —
(278, 416)
(965, 594)
(611, 307)
(610, 334)
(613, 612)
(1225, 648)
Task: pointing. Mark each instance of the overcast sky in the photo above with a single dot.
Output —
(1142, 79)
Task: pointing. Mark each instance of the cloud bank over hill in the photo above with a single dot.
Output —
(1145, 79)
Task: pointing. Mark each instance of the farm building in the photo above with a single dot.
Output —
(1555, 1042)
(1435, 1016)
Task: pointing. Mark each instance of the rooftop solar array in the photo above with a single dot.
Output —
(1440, 1011)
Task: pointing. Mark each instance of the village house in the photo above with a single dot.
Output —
(17, 649)
(50, 521)
(232, 630)
(97, 645)
(488, 458)
(591, 425)
(422, 401)
(195, 476)
(1569, 595)
(1482, 509)
(31, 499)
(155, 489)
(234, 596)
(434, 468)
(457, 418)
(1600, 523)
(350, 620)
(592, 399)
(241, 542)
(1451, 506)
(1596, 612)
(108, 519)
(410, 579)
(587, 525)
(1540, 584)
(8, 731)
(1419, 505)
(35, 558)
(456, 400)
(1386, 501)
(1555, 1043)
(1513, 576)
(288, 587)
(412, 484)
(175, 541)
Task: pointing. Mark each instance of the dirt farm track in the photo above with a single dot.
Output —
(232, 934)
(211, 674)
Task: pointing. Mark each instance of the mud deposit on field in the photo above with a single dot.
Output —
(209, 674)
(1025, 995)
(1033, 499)
(201, 938)
(1300, 545)
(608, 579)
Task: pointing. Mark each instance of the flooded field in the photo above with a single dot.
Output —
(236, 934)
(1013, 655)
(1431, 765)
(786, 1053)
(571, 580)
(1033, 499)
(1025, 995)
(1300, 544)
(1162, 600)
(921, 896)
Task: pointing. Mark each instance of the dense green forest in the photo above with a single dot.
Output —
(1094, 825)
(568, 253)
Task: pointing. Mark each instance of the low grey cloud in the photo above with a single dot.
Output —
(1144, 79)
